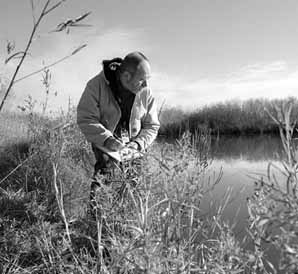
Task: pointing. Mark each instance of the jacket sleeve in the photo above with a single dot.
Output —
(149, 124)
(88, 115)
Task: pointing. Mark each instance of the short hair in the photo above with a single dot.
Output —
(131, 62)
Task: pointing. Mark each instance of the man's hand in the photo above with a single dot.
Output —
(133, 145)
(113, 144)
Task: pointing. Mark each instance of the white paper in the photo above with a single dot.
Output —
(124, 154)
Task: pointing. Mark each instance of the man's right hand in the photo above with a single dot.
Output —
(113, 144)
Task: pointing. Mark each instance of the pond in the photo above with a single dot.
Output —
(243, 160)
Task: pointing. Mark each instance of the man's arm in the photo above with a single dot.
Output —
(150, 124)
(88, 116)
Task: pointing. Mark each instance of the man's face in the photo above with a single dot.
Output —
(139, 79)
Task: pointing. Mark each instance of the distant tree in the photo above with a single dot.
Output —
(230, 117)
(172, 115)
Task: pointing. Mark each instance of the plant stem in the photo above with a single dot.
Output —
(25, 53)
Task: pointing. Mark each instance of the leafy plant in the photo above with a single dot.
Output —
(273, 207)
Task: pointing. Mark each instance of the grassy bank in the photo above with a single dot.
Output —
(155, 225)
(231, 117)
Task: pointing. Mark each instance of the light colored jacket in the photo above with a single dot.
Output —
(98, 114)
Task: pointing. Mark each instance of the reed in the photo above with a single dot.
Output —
(273, 207)
(150, 225)
(48, 7)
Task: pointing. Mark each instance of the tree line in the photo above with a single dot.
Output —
(234, 117)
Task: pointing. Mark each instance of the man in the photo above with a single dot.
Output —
(117, 104)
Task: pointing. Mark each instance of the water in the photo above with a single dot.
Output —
(243, 161)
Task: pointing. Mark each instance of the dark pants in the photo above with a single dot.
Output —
(103, 173)
(106, 174)
(108, 171)
(104, 169)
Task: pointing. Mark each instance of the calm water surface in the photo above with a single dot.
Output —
(243, 160)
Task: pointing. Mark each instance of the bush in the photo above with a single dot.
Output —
(273, 207)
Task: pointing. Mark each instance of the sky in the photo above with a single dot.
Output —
(201, 51)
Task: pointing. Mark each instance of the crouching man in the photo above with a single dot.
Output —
(117, 110)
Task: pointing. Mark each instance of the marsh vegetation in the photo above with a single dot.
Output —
(155, 226)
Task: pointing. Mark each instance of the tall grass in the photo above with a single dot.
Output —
(273, 207)
(13, 128)
(152, 225)
(46, 8)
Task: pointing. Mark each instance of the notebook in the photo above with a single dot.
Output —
(124, 154)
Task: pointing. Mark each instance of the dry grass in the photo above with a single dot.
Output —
(13, 128)
(154, 225)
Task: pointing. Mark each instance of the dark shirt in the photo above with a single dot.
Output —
(124, 97)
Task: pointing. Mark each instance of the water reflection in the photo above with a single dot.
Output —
(249, 148)
(244, 160)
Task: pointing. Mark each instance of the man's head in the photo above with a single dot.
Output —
(135, 71)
